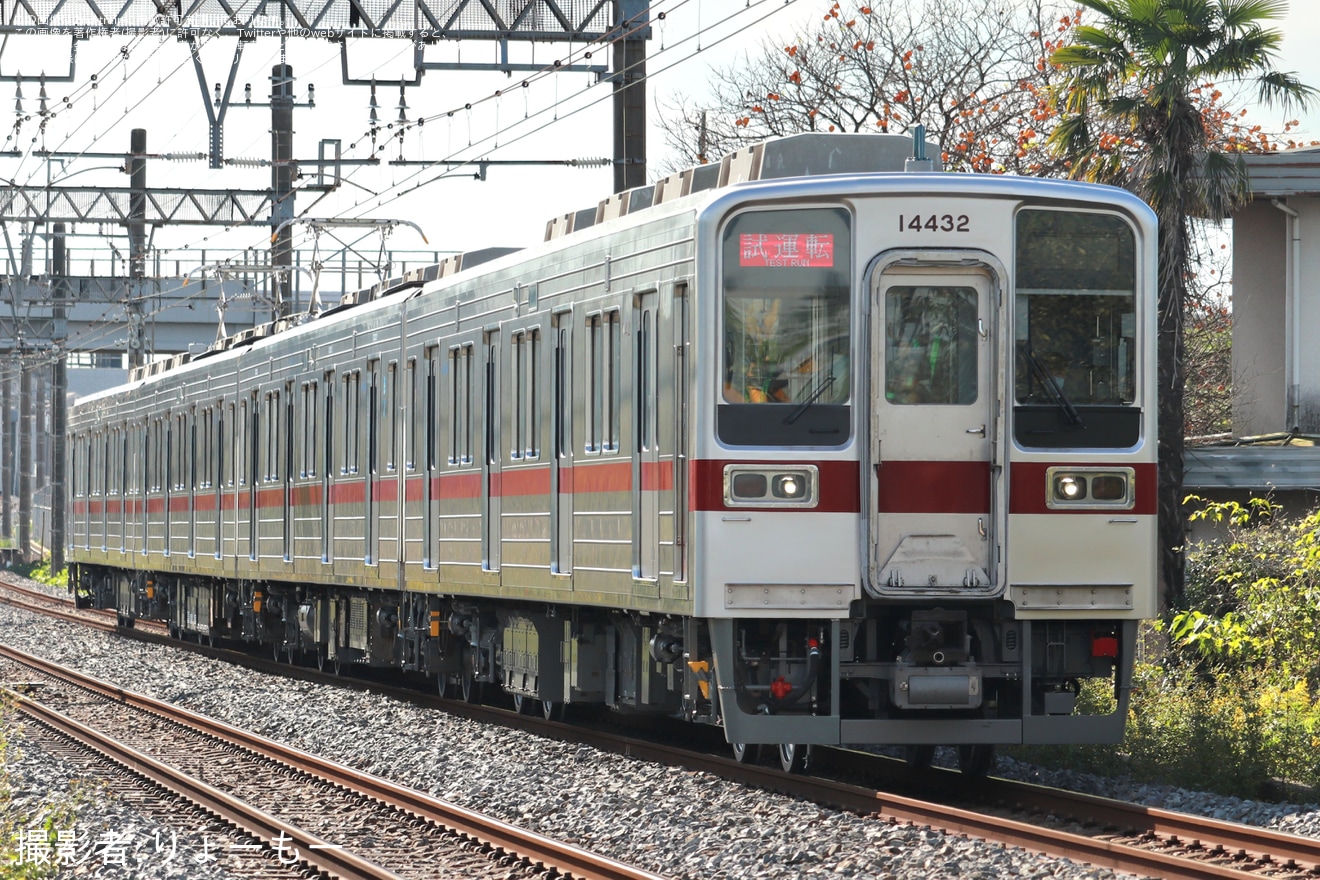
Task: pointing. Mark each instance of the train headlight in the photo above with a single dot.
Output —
(1089, 488)
(768, 485)
(1069, 487)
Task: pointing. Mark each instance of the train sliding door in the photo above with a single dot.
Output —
(491, 508)
(933, 432)
(646, 452)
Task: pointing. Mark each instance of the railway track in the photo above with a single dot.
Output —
(1125, 837)
(303, 810)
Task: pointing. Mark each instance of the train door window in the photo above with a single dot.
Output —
(160, 456)
(373, 402)
(534, 393)
(613, 339)
(491, 434)
(307, 449)
(271, 453)
(193, 475)
(329, 449)
(203, 460)
(77, 484)
(642, 406)
(526, 394)
(390, 407)
(786, 313)
(516, 345)
(429, 438)
(413, 431)
(603, 338)
(563, 416)
(595, 394)
(241, 443)
(352, 412)
(931, 348)
(460, 411)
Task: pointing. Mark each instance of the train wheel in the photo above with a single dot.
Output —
(320, 658)
(919, 757)
(976, 761)
(470, 689)
(521, 704)
(793, 757)
(745, 754)
(276, 649)
(551, 710)
(336, 666)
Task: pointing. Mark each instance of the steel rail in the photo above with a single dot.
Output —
(535, 848)
(1237, 842)
(309, 849)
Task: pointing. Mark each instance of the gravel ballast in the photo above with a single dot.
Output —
(672, 821)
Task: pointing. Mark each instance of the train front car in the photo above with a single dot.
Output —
(929, 469)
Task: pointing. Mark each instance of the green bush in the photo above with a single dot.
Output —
(40, 571)
(1232, 702)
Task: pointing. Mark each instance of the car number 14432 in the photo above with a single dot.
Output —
(934, 223)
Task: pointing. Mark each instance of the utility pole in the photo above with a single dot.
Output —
(24, 546)
(630, 94)
(59, 398)
(137, 245)
(7, 456)
(281, 184)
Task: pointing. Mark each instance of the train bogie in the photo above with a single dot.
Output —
(848, 457)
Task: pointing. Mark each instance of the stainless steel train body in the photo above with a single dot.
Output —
(823, 456)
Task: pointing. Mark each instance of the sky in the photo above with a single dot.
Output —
(151, 84)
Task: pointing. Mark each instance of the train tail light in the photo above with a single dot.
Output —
(1104, 645)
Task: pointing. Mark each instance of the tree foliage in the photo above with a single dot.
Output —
(1131, 115)
(974, 75)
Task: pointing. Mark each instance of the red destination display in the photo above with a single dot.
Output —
(806, 250)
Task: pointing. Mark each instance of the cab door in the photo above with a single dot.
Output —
(933, 436)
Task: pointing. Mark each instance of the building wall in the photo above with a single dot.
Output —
(1260, 265)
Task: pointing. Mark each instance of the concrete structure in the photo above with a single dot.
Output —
(1276, 342)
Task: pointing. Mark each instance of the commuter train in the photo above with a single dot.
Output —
(815, 444)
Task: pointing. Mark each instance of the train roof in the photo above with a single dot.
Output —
(802, 155)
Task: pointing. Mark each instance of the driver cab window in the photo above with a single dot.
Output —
(786, 366)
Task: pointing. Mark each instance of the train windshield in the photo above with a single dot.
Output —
(786, 367)
(1075, 369)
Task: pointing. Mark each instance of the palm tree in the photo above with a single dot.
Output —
(1129, 115)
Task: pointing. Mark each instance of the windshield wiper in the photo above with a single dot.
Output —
(806, 404)
(1052, 390)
